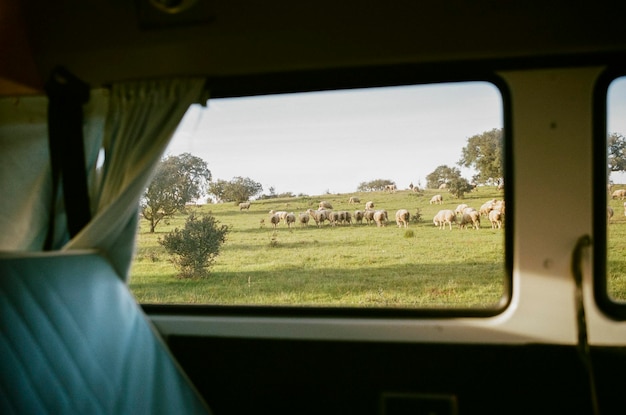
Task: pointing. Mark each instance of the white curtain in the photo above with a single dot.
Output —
(132, 123)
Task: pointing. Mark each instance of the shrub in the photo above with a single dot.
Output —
(195, 247)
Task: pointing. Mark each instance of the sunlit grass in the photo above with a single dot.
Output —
(616, 251)
(357, 265)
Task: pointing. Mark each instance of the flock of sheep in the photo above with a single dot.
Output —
(464, 215)
(618, 194)
(468, 216)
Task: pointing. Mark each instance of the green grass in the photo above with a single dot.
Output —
(357, 265)
(616, 251)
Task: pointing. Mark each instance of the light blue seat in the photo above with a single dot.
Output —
(74, 341)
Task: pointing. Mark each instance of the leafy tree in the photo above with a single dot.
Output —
(195, 247)
(616, 152)
(218, 189)
(239, 189)
(178, 180)
(459, 186)
(484, 153)
(374, 185)
(442, 174)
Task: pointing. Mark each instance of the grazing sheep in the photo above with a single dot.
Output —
(487, 207)
(333, 218)
(443, 186)
(369, 205)
(303, 218)
(436, 199)
(244, 205)
(281, 213)
(342, 216)
(354, 199)
(402, 218)
(460, 208)
(619, 194)
(390, 188)
(325, 205)
(290, 218)
(319, 216)
(345, 217)
(358, 216)
(380, 217)
(368, 215)
(470, 217)
(499, 205)
(609, 213)
(495, 217)
(274, 220)
(444, 216)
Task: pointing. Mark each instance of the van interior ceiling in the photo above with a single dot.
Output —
(92, 94)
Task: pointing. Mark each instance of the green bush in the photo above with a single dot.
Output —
(195, 247)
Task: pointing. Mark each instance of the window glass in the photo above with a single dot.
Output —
(616, 190)
(418, 150)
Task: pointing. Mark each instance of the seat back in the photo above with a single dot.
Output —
(73, 340)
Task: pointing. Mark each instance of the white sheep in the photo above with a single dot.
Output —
(402, 218)
(436, 199)
(333, 218)
(487, 207)
(347, 217)
(244, 205)
(290, 219)
(354, 199)
(619, 194)
(460, 208)
(325, 205)
(319, 216)
(369, 205)
(303, 218)
(368, 215)
(380, 217)
(444, 217)
(495, 217)
(274, 220)
(499, 205)
(358, 216)
(470, 217)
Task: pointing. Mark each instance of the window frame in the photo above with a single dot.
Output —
(353, 78)
(616, 310)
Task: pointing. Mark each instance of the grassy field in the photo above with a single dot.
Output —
(616, 250)
(349, 265)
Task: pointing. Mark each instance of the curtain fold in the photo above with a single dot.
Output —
(141, 120)
(131, 124)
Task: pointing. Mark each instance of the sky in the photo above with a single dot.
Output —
(330, 142)
(616, 116)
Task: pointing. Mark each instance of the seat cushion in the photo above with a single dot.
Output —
(73, 340)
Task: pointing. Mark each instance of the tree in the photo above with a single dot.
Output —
(195, 247)
(484, 153)
(178, 180)
(616, 153)
(442, 174)
(374, 185)
(239, 189)
(459, 186)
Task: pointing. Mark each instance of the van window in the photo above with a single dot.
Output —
(428, 158)
(616, 189)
